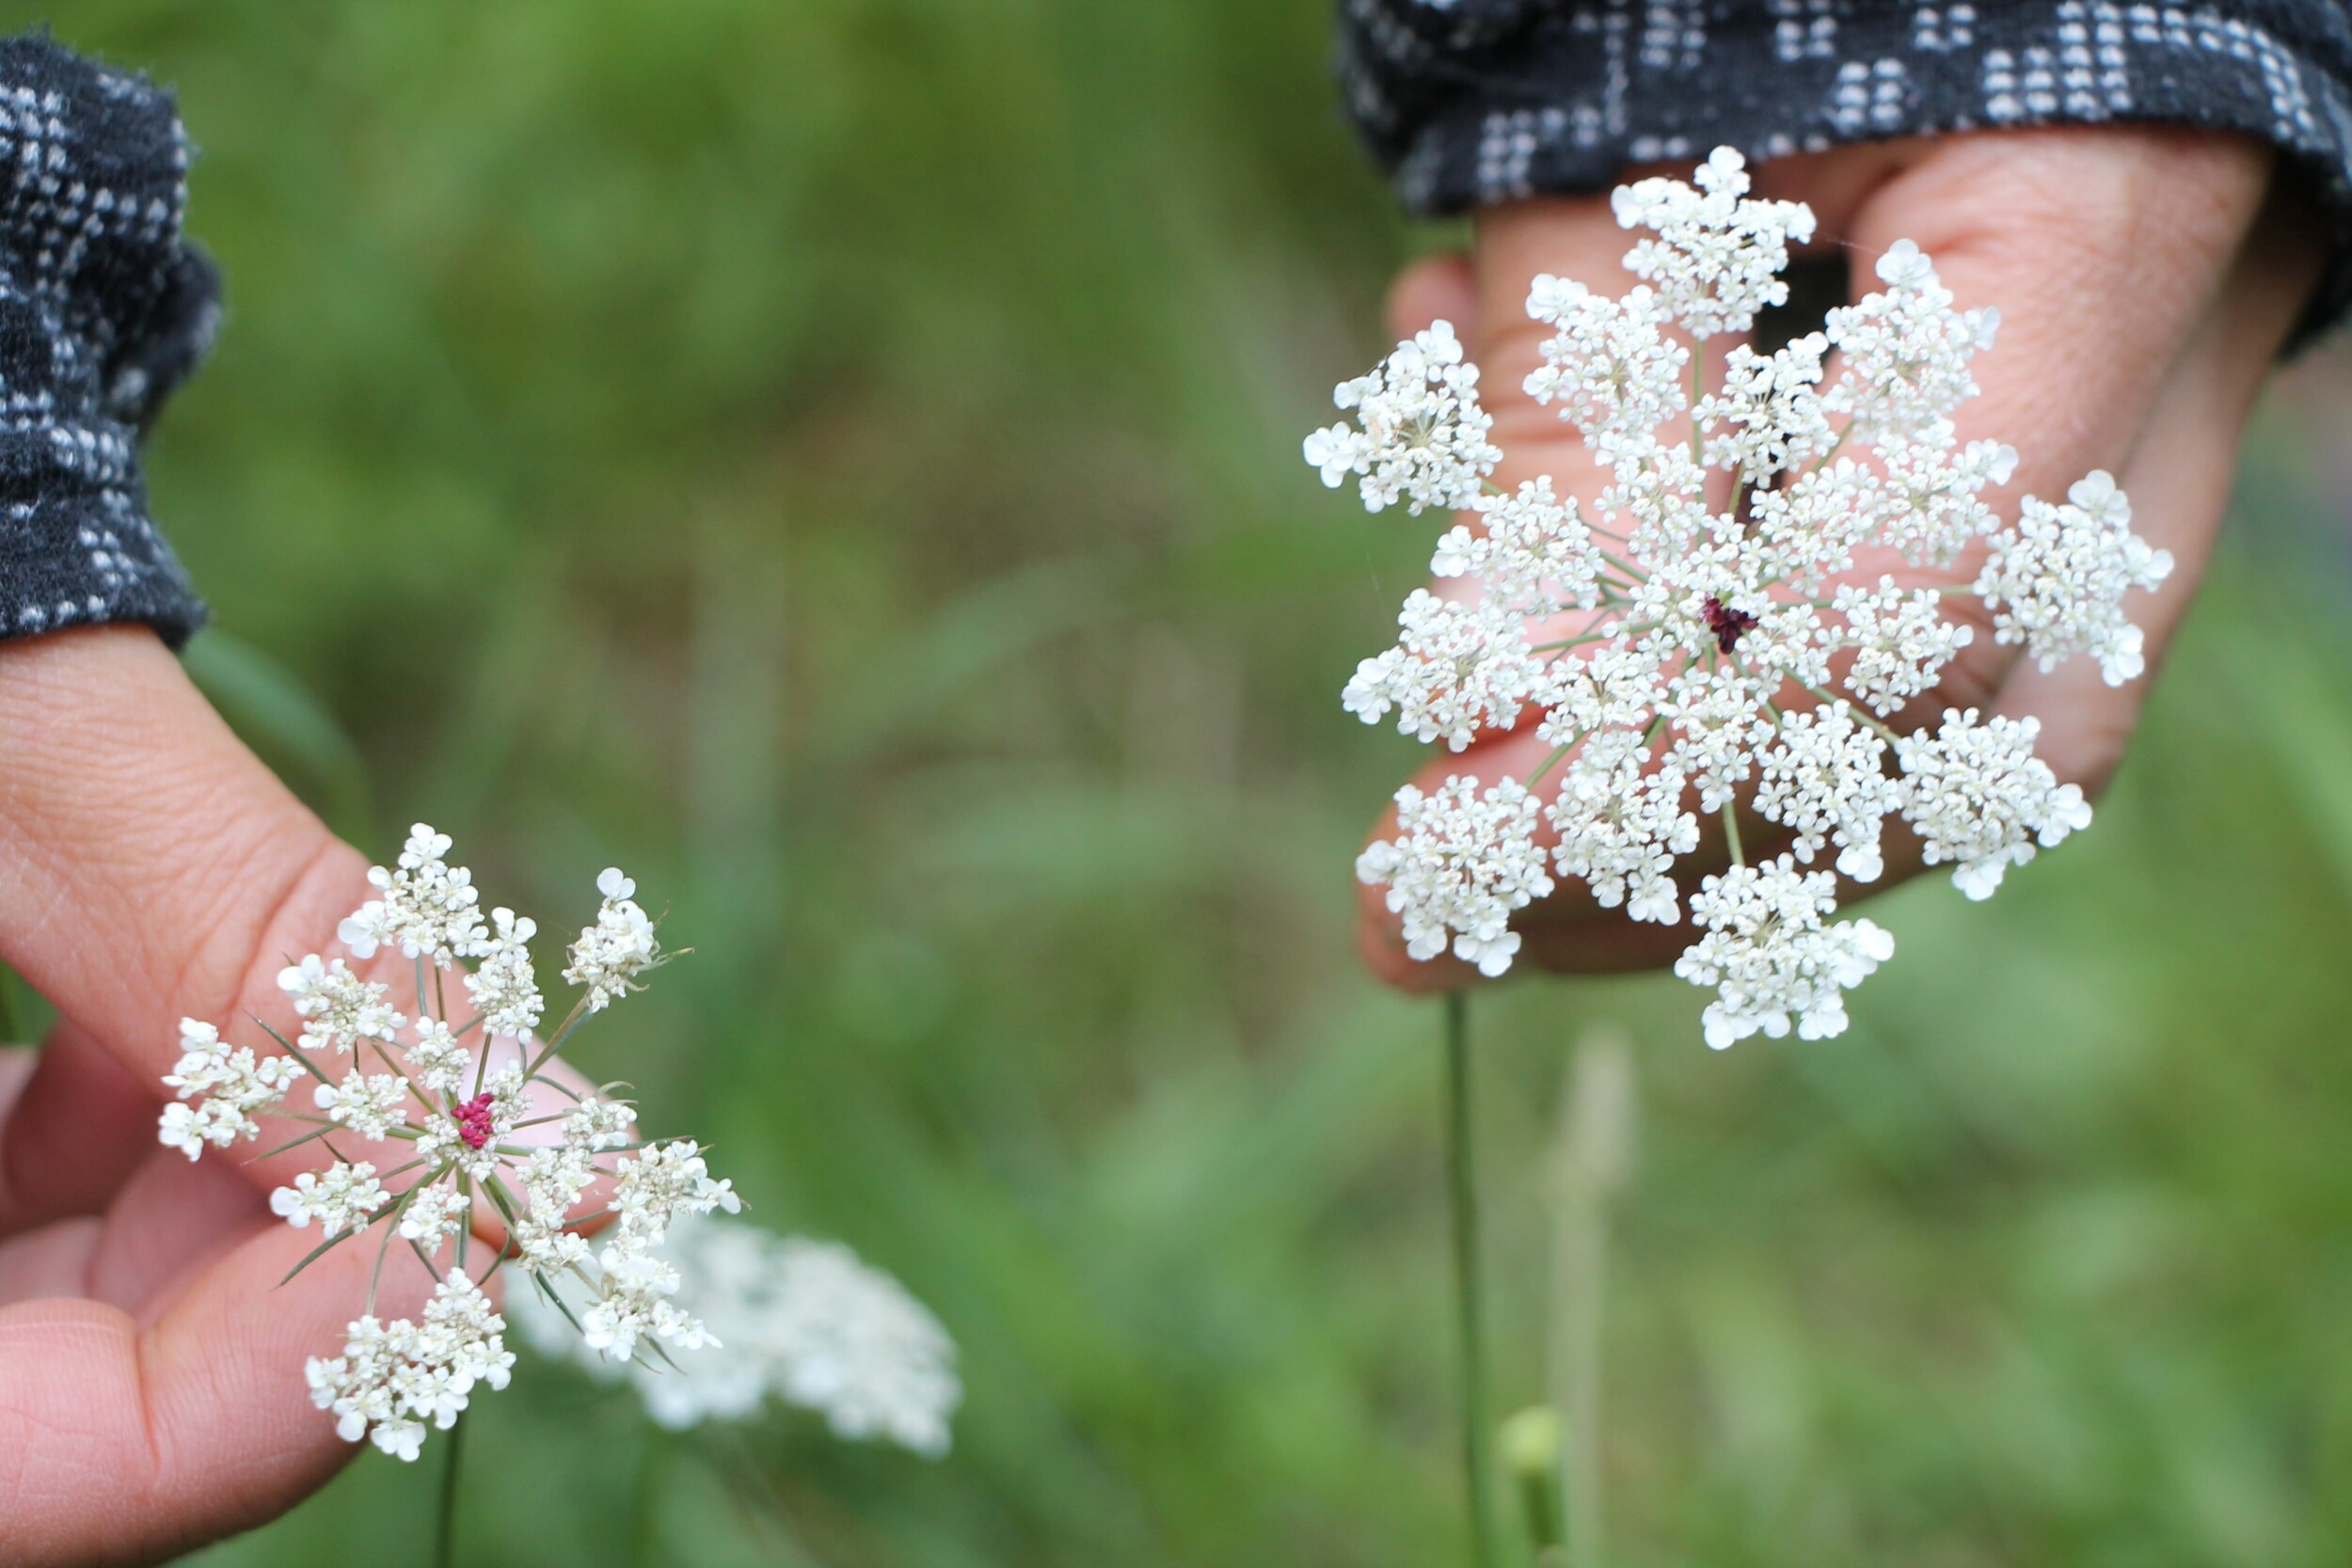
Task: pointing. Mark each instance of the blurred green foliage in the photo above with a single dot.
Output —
(839, 458)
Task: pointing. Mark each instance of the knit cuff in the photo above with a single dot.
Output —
(1470, 102)
(104, 309)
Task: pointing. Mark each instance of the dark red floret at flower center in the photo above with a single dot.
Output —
(473, 1121)
(1725, 623)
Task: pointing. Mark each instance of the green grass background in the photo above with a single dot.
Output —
(839, 458)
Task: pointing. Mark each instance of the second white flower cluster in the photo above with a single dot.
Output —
(1678, 654)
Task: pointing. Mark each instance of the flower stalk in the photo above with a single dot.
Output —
(1461, 1165)
(1593, 1157)
(445, 1517)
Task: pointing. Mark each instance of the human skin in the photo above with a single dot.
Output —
(2146, 279)
(152, 1389)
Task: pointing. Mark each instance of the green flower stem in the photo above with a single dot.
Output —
(644, 1501)
(445, 1523)
(1461, 1187)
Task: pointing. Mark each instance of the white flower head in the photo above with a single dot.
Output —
(1460, 864)
(1609, 366)
(1772, 958)
(1621, 824)
(608, 957)
(1978, 797)
(2055, 582)
(426, 907)
(337, 1008)
(1825, 779)
(220, 1090)
(1717, 631)
(634, 1303)
(1422, 435)
(1933, 498)
(1906, 352)
(1529, 548)
(343, 1197)
(1456, 669)
(438, 1059)
(432, 1214)
(506, 989)
(1901, 642)
(465, 1096)
(653, 1187)
(371, 1104)
(394, 1380)
(1768, 418)
(1718, 254)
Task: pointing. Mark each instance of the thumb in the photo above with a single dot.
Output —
(151, 867)
(1438, 288)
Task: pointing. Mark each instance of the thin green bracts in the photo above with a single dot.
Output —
(290, 1049)
(564, 1032)
(1549, 762)
(291, 1143)
(465, 1231)
(322, 1250)
(376, 1276)
(548, 1294)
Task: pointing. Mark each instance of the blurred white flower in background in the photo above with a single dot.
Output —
(805, 1321)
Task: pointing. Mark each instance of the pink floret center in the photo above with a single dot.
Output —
(473, 1121)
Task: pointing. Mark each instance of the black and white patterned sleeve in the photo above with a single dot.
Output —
(103, 309)
(1470, 102)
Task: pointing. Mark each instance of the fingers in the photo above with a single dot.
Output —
(170, 1218)
(2103, 249)
(170, 1221)
(48, 1261)
(150, 868)
(2179, 478)
(1438, 288)
(123, 1444)
(1575, 238)
(79, 1125)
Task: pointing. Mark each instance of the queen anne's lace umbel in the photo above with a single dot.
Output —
(447, 1131)
(804, 1321)
(1714, 624)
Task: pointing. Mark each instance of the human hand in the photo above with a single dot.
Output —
(151, 1390)
(2146, 279)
